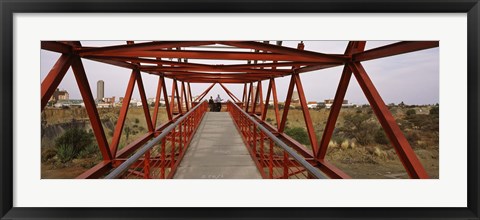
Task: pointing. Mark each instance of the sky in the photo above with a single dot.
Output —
(412, 78)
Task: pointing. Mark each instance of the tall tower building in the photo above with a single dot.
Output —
(100, 90)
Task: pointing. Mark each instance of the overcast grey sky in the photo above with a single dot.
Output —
(412, 78)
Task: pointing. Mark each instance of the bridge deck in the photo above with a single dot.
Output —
(217, 152)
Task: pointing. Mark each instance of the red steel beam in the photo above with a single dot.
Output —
(165, 97)
(288, 100)
(212, 69)
(306, 114)
(123, 114)
(141, 46)
(267, 100)
(402, 147)
(285, 50)
(217, 55)
(204, 93)
(184, 92)
(97, 171)
(273, 64)
(275, 102)
(234, 98)
(394, 49)
(179, 102)
(352, 47)
(91, 108)
(54, 77)
(157, 101)
(55, 46)
(244, 93)
(190, 95)
(114, 62)
(157, 61)
(315, 67)
(172, 98)
(260, 95)
(143, 97)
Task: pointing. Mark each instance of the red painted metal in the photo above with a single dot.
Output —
(267, 100)
(141, 46)
(234, 98)
(179, 102)
(172, 98)
(288, 100)
(56, 47)
(190, 95)
(186, 96)
(217, 55)
(306, 114)
(123, 114)
(157, 101)
(162, 160)
(285, 50)
(394, 49)
(352, 47)
(402, 147)
(204, 93)
(54, 77)
(272, 163)
(91, 108)
(269, 161)
(146, 110)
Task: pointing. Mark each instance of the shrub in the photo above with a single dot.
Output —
(434, 110)
(66, 152)
(411, 112)
(380, 137)
(359, 127)
(299, 134)
(72, 142)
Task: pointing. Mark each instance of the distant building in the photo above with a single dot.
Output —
(329, 103)
(59, 95)
(70, 103)
(312, 105)
(100, 90)
(110, 100)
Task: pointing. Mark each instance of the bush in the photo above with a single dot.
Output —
(411, 112)
(299, 134)
(434, 110)
(66, 152)
(72, 142)
(380, 137)
(359, 127)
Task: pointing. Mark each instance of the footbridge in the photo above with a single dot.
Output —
(237, 142)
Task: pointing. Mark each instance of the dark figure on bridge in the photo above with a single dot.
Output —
(211, 105)
(218, 103)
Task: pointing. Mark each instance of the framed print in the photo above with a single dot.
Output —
(272, 109)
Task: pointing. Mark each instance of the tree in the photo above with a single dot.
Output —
(358, 126)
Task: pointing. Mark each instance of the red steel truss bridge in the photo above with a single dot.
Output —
(196, 143)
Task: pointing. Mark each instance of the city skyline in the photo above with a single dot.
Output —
(398, 78)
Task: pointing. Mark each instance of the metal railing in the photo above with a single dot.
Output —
(159, 158)
(274, 158)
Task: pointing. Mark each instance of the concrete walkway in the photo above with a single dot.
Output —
(217, 152)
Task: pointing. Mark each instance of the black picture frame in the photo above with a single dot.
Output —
(9, 7)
